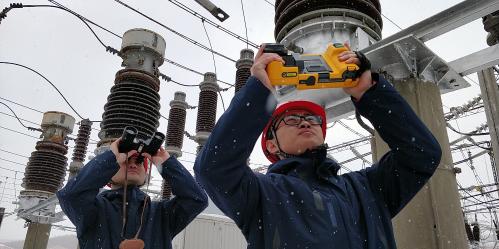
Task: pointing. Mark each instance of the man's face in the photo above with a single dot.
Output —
(136, 173)
(296, 131)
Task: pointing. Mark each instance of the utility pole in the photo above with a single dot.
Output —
(490, 88)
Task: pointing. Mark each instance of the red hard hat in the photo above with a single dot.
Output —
(301, 105)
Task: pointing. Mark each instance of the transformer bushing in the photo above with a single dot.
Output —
(46, 168)
(175, 134)
(491, 25)
(243, 66)
(308, 26)
(134, 99)
(176, 124)
(341, 14)
(207, 109)
(80, 150)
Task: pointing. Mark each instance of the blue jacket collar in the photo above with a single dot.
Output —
(133, 193)
(305, 168)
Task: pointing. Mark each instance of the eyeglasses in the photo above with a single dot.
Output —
(295, 120)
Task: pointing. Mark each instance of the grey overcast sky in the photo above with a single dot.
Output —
(60, 47)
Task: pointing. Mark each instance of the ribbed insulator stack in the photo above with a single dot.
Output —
(460, 110)
(46, 167)
(243, 66)
(80, 150)
(491, 25)
(175, 134)
(207, 107)
(134, 98)
(134, 101)
(287, 10)
(176, 124)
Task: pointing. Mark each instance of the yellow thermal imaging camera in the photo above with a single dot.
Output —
(311, 71)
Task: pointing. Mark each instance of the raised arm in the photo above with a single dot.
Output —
(189, 200)
(77, 198)
(414, 153)
(222, 166)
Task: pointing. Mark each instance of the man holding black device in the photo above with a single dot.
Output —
(125, 217)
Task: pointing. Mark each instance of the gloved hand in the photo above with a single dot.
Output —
(365, 79)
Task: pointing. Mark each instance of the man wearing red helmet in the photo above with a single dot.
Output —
(125, 217)
(302, 201)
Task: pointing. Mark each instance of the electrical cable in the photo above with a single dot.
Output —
(194, 71)
(390, 20)
(350, 129)
(27, 107)
(5, 128)
(21, 133)
(109, 48)
(12, 153)
(194, 13)
(481, 203)
(62, 95)
(269, 3)
(7, 160)
(467, 133)
(27, 127)
(175, 32)
(214, 63)
(245, 26)
(31, 122)
(211, 47)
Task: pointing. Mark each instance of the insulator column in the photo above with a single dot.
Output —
(44, 175)
(46, 167)
(134, 98)
(243, 66)
(80, 150)
(207, 109)
(175, 133)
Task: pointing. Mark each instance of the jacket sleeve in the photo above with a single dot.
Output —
(414, 153)
(77, 198)
(189, 200)
(222, 166)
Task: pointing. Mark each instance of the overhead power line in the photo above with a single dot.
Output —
(15, 115)
(175, 32)
(45, 78)
(21, 105)
(204, 19)
(116, 52)
(31, 122)
(109, 48)
(244, 19)
(29, 108)
(18, 132)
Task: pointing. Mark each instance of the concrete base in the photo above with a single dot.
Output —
(37, 236)
(433, 219)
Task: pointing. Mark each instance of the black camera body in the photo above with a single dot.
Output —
(129, 141)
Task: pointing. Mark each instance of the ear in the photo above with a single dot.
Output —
(272, 146)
